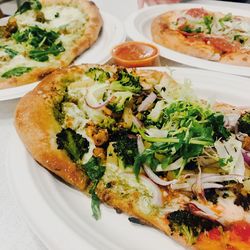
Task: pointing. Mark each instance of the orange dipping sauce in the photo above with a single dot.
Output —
(135, 54)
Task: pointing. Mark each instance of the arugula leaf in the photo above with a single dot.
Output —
(18, 71)
(42, 37)
(95, 206)
(43, 41)
(74, 144)
(95, 172)
(29, 5)
(226, 18)
(208, 21)
(93, 169)
(42, 55)
(190, 128)
(12, 53)
(21, 36)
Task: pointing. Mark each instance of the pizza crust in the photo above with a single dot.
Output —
(92, 31)
(175, 40)
(37, 128)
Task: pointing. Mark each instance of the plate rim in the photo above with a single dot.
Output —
(170, 54)
(19, 91)
(15, 183)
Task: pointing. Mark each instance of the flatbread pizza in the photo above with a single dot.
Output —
(147, 146)
(43, 36)
(205, 34)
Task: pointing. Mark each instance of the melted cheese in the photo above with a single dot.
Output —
(67, 15)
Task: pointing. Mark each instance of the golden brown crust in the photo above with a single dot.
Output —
(92, 30)
(190, 45)
(241, 58)
(38, 127)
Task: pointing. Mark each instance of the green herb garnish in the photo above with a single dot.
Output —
(95, 172)
(208, 21)
(29, 5)
(18, 71)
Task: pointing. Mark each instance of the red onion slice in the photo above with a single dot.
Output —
(202, 210)
(91, 102)
(147, 102)
(157, 179)
(246, 156)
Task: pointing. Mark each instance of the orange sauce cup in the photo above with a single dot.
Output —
(135, 54)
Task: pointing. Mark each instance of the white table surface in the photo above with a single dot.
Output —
(15, 234)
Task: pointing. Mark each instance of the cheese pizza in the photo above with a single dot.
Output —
(147, 146)
(205, 34)
(43, 36)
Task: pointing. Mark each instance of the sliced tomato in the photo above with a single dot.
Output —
(215, 234)
(222, 44)
(197, 12)
(241, 229)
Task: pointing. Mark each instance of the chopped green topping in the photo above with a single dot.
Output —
(29, 5)
(188, 29)
(44, 42)
(95, 172)
(42, 55)
(208, 21)
(225, 161)
(18, 71)
(11, 52)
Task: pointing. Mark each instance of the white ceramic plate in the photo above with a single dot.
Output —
(61, 216)
(112, 33)
(138, 27)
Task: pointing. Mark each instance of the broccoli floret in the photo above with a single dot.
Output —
(189, 225)
(244, 123)
(98, 74)
(126, 82)
(119, 100)
(243, 201)
(74, 144)
(211, 195)
(125, 148)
